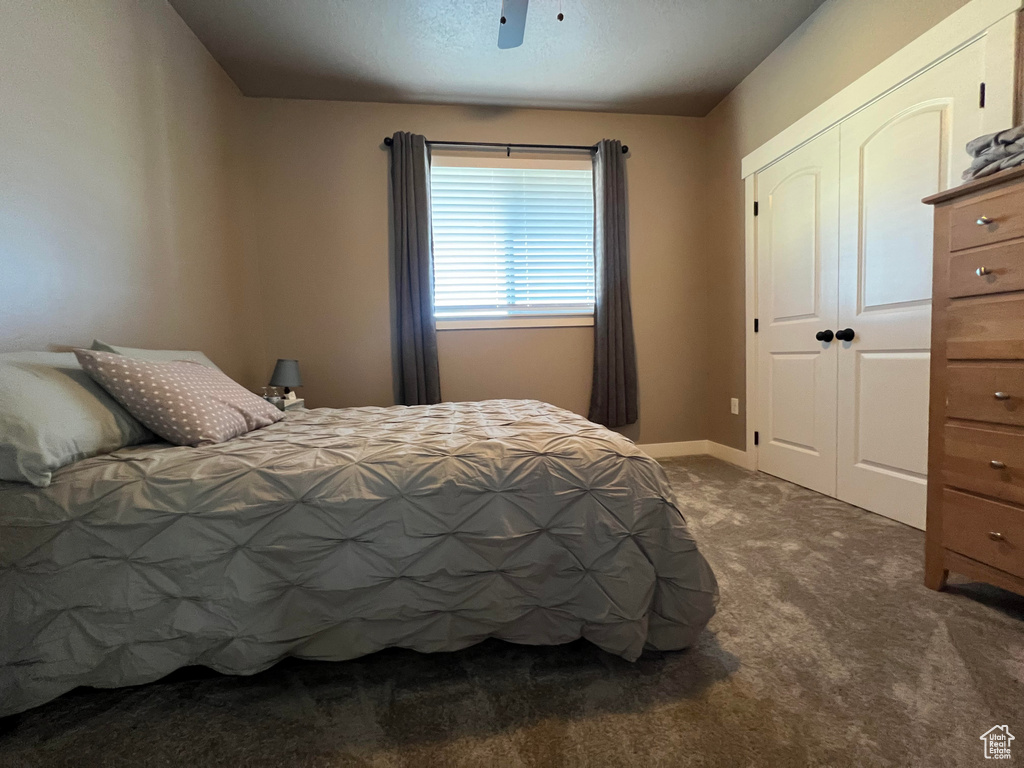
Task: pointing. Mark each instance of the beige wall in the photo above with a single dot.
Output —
(840, 42)
(116, 215)
(320, 181)
(145, 202)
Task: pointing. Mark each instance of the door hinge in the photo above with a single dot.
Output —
(981, 96)
(757, 438)
(755, 325)
(755, 203)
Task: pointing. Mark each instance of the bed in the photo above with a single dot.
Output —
(336, 533)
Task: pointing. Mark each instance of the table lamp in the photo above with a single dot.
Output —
(286, 374)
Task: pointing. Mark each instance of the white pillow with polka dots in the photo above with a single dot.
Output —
(183, 402)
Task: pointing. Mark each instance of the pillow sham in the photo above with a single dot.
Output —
(52, 413)
(183, 402)
(156, 355)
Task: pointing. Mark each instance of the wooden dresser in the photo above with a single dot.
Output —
(976, 421)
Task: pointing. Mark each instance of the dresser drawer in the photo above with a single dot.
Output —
(984, 530)
(988, 218)
(969, 455)
(996, 269)
(986, 328)
(986, 392)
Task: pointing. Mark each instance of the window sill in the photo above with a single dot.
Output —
(483, 323)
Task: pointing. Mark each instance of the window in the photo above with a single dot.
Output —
(513, 245)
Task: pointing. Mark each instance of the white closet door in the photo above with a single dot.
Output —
(797, 284)
(896, 151)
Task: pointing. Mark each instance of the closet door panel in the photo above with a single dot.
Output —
(797, 262)
(896, 163)
(903, 147)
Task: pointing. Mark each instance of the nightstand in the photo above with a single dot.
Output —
(292, 405)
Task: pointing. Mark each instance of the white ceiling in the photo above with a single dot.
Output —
(675, 57)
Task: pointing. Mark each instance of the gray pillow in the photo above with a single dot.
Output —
(156, 355)
(52, 413)
(184, 402)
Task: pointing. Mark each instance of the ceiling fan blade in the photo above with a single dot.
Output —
(510, 34)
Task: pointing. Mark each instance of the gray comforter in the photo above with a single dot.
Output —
(336, 533)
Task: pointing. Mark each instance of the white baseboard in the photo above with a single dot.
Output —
(698, 448)
(671, 450)
(731, 455)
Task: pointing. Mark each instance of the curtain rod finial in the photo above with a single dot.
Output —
(625, 149)
(388, 141)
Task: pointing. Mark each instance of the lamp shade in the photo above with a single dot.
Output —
(286, 374)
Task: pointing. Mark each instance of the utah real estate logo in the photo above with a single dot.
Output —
(997, 742)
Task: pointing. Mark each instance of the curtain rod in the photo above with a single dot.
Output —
(508, 146)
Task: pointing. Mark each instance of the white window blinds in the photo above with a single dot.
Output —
(512, 242)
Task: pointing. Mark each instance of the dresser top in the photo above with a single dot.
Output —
(976, 185)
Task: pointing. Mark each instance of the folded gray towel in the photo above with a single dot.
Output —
(1001, 152)
(988, 167)
(995, 152)
(983, 144)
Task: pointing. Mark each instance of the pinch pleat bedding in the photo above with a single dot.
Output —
(336, 533)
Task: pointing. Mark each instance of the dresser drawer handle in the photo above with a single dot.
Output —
(996, 464)
(996, 536)
(1002, 396)
(984, 221)
(983, 271)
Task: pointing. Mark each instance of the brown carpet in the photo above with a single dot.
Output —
(827, 650)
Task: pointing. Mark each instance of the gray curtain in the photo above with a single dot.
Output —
(417, 380)
(613, 396)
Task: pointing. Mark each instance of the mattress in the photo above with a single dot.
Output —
(336, 533)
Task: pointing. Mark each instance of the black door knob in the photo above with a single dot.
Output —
(825, 335)
(845, 335)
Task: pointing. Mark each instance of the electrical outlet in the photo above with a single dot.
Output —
(734, 406)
